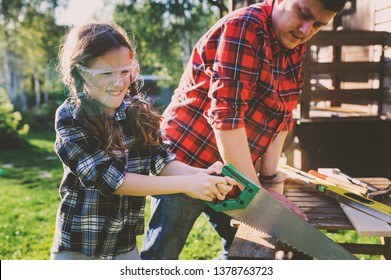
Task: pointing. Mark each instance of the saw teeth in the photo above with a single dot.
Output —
(278, 242)
(260, 231)
(287, 247)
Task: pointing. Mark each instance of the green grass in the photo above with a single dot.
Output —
(350, 236)
(29, 200)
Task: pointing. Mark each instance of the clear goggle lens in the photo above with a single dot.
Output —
(101, 78)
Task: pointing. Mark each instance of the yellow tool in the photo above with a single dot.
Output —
(355, 200)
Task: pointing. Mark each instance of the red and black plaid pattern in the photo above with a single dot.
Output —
(238, 76)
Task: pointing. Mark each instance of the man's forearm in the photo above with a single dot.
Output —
(234, 149)
(269, 161)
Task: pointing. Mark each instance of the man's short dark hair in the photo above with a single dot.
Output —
(334, 5)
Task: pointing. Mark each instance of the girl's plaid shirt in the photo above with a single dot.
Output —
(90, 219)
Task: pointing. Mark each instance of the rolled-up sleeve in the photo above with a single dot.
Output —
(233, 74)
(160, 157)
(288, 124)
(93, 166)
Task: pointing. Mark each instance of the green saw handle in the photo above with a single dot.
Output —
(250, 189)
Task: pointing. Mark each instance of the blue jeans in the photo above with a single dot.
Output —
(172, 218)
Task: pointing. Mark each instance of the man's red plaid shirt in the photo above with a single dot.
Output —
(238, 76)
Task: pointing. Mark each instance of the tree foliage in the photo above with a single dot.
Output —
(30, 40)
(10, 126)
(165, 32)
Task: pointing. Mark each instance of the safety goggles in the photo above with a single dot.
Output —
(102, 78)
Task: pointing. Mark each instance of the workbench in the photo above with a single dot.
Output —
(324, 213)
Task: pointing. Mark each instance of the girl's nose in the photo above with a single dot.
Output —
(119, 83)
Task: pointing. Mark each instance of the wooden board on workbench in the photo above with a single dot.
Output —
(365, 224)
(322, 211)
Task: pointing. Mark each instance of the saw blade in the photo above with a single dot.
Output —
(267, 215)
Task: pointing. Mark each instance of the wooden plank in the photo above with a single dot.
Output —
(318, 210)
(326, 225)
(387, 68)
(340, 71)
(378, 182)
(353, 120)
(366, 249)
(345, 68)
(356, 96)
(312, 204)
(365, 224)
(322, 211)
(350, 38)
(386, 242)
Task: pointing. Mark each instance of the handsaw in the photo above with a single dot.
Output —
(365, 204)
(256, 208)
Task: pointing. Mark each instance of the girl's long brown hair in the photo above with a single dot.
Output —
(82, 46)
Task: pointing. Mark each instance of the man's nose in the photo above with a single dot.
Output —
(305, 28)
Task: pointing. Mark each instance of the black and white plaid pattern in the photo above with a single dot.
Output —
(90, 219)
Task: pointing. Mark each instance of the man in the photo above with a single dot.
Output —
(234, 103)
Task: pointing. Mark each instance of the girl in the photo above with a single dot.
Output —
(108, 139)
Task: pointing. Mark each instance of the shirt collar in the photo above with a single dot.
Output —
(120, 113)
